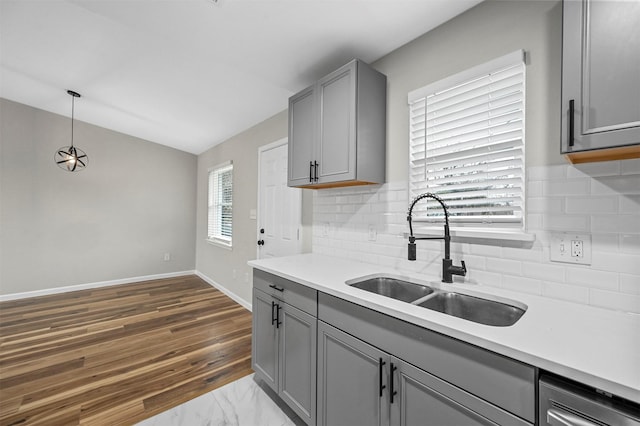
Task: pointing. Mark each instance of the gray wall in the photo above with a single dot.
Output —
(114, 220)
(218, 263)
(487, 31)
(111, 226)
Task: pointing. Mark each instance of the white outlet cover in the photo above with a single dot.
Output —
(560, 248)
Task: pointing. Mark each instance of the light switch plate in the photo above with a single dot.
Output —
(570, 248)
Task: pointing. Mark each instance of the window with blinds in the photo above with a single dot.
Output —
(467, 145)
(220, 218)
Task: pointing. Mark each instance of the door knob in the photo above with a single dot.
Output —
(260, 242)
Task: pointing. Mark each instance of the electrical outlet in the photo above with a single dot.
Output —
(576, 248)
(570, 248)
(167, 257)
(325, 229)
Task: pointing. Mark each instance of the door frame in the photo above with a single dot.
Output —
(261, 150)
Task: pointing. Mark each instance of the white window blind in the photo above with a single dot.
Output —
(220, 218)
(467, 144)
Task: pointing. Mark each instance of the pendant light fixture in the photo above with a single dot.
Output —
(70, 158)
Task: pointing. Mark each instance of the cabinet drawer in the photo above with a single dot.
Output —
(504, 382)
(298, 295)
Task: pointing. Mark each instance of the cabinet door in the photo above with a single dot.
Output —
(298, 361)
(600, 74)
(302, 134)
(264, 340)
(336, 150)
(349, 380)
(423, 400)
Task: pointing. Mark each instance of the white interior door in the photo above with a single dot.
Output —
(279, 207)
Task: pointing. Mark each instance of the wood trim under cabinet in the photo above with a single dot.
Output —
(609, 154)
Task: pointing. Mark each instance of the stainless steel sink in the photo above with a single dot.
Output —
(474, 309)
(394, 288)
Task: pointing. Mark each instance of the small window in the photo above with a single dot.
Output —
(220, 218)
(467, 145)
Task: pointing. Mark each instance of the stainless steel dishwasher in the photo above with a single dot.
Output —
(565, 403)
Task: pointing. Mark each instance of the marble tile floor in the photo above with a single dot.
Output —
(244, 402)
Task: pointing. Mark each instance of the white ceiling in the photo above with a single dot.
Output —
(192, 73)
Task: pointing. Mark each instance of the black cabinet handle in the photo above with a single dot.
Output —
(571, 119)
(315, 174)
(275, 287)
(381, 364)
(278, 307)
(273, 317)
(392, 392)
(310, 171)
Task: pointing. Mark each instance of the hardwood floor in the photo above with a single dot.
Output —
(119, 354)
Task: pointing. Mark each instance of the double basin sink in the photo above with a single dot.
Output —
(469, 307)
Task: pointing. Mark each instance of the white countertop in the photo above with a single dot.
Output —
(594, 346)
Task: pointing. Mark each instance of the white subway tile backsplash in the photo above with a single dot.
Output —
(622, 223)
(568, 292)
(615, 262)
(525, 285)
(614, 300)
(545, 204)
(488, 251)
(605, 168)
(626, 184)
(629, 223)
(534, 221)
(605, 242)
(565, 222)
(631, 166)
(629, 204)
(477, 276)
(600, 199)
(543, 271)
(535, 188)
(504, 266)
(630, 284)
(546, 172)
(531, 255)
(592, 204)
(560, 187)
(630, 243)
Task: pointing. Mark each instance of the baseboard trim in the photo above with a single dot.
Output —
(56, 290)
(235, 297)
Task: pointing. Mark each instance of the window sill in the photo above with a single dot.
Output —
(221, 244)
(479, 233)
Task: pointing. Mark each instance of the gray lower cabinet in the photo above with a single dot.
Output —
(349, 380)
(423, 399)
(359, 384)
(396, 373)
(284, 345)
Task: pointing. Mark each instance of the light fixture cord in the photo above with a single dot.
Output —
(73, 103)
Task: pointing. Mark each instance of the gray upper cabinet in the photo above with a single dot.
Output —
(601, 80)
(337, 129)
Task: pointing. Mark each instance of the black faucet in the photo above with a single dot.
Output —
(448, 269)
